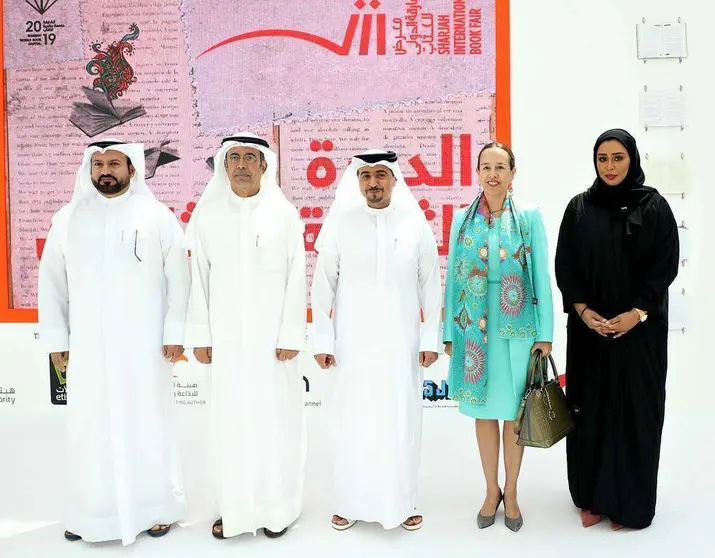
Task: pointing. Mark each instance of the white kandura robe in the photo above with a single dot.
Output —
(114, 313)
(248, 298)
(377, 268)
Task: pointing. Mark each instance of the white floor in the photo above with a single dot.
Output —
(32, 458)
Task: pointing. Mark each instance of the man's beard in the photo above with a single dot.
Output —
(110, 187)
(375, 196)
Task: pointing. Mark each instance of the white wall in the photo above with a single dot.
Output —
(574, 74)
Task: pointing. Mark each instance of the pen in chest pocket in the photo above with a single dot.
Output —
(136, 239)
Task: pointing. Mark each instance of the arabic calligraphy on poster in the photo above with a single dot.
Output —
(437, 143)
(315, 57)
(320, 80)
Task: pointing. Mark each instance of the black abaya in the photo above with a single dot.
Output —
(617, 250)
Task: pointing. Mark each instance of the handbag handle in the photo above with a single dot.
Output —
(534, 363)
(538, 360)
(553, 367)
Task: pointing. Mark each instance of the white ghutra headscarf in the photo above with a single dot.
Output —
(83, 186)
(220, 184)
(348, 195)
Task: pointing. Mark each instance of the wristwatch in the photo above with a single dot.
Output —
(642, 316)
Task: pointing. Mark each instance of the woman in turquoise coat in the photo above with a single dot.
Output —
(498, 268)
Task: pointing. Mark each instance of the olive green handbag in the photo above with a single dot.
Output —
(544, 416)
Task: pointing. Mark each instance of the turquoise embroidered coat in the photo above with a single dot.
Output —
(534, 235)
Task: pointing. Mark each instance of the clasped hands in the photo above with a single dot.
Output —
(618, 326)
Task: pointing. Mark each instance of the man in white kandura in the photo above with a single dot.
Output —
(377, 267)
(112, 296)
(246, 318)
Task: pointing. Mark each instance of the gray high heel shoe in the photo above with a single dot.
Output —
(513, 524)
(484, 521)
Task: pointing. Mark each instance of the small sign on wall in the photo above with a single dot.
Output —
(666, 39)
(662, 107)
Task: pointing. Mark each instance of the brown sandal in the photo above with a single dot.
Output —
(218, 534)
(412, 526)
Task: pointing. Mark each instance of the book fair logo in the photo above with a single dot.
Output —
(41, 32)
(416, 31)
(41, 6)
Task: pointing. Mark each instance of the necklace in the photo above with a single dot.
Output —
(503, 204)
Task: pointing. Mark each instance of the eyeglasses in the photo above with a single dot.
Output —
(247, 158)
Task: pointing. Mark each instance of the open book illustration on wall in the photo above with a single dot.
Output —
(158, 156)
(114, 75)
(101, 114)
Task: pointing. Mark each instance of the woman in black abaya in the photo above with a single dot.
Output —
(616, 256)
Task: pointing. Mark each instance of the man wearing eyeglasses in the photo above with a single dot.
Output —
(246, 319)
(112, 295)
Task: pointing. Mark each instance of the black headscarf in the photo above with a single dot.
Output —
(632, 191)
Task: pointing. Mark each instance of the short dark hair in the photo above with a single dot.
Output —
(498, 145)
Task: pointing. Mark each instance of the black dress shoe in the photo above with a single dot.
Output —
(156, 533)
(274, 535)
(72, 537)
